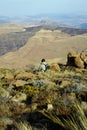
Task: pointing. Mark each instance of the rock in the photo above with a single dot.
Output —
(74, 59)
(9, 77)
(43, 83)
(18, 83)
(55, 67)
(78, 62)
(73, 54)
(67, 87)
(39, 83)
(19, 97)
(77, 87)
(84, 59)
(83, 56)
(25, 76)
(71, 58)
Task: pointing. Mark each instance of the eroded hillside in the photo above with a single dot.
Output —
(49, 44)
(12, 36)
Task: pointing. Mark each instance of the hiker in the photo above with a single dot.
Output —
(43, 66)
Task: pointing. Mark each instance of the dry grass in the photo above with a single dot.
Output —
(76, 121)
(41, 97)
(23, 126)
(62, 74)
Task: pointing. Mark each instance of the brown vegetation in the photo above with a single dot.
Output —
(38, 100)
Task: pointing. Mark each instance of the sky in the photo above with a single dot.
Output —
(34, 7)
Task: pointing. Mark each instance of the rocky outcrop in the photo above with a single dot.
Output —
(76, 59)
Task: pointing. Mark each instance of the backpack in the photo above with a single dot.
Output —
(47, 67)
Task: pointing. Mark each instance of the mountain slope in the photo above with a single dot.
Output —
(12, 36)
(44, 44)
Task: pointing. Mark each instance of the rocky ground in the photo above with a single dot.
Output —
(51, 100)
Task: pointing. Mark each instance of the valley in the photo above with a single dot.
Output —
(30, 44)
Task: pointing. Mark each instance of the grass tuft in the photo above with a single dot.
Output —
(76, 121)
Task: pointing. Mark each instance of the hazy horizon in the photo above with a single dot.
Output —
(14, 8)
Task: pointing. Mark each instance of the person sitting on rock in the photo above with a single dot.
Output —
(43, 66)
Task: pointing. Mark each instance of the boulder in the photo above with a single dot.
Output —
(74, 59)
(78, 62)
(55, 67)
(84, 59)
